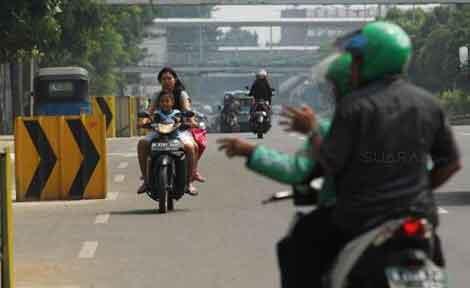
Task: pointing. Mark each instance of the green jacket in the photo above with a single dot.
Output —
(295, 169)
(292, 169)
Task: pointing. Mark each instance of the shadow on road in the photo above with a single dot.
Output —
(454, 198)
(148, 211)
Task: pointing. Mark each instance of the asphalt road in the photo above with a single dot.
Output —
(222, 238)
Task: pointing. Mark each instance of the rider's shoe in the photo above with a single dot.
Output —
(198, 177)
(143, 188)
(192, 190)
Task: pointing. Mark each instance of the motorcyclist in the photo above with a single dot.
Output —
(171, 83)
(231, 108)
(261, 89)
(379, 143)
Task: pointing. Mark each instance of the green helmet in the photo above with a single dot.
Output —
(339, 73)
(385, 49)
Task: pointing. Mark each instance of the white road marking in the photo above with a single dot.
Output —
(463, 133)
(123, 165)
(119, 178)
(88, 250)
(292, 134)
(442, 210)
(102, 219)
(128, 155)
(113, 195)
(303, 138)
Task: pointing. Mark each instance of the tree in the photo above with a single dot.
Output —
(25, 26)
(436, 36)
(99, 38)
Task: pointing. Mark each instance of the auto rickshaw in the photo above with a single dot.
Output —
(61, 91)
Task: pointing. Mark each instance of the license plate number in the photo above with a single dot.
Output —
(162, 146)
(425, 277)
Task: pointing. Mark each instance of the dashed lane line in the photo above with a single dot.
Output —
(119, 178)
(88, 250)
(102, 219)
(127, 155)
(112, 195)
(123, 165)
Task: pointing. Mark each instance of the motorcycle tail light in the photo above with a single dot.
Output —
(412, 227)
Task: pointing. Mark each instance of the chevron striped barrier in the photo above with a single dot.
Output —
(60, 158)
(126, 116)
(106, 106)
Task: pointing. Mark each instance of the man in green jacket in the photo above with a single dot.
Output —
(295, 250)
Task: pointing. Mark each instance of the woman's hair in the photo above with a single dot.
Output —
(178, 83)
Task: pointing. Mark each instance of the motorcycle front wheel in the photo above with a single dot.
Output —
(163, 181)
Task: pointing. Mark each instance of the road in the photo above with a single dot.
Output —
(222, 238)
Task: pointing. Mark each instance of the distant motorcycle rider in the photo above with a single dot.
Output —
(261, 89)
(231, 108)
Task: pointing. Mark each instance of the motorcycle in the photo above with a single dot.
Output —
(260, 118)
(229, 122)
(167, 167)
(400, 253)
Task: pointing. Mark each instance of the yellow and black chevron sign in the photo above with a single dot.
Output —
(106, 106)
(60, 158)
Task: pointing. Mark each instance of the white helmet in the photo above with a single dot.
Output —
(262, 73)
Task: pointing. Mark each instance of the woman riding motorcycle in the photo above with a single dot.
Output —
(172, 84)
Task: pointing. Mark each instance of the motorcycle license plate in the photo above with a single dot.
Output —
(164, 146)
(428, 276)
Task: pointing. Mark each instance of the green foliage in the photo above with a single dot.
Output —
(437, 36)
(25, 26)
(84, 33)
(455, 101)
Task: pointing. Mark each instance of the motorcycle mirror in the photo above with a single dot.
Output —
(247, 88)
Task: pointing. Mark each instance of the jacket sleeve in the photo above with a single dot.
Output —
(282, 167)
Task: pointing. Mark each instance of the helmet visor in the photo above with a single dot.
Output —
(323, 96)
